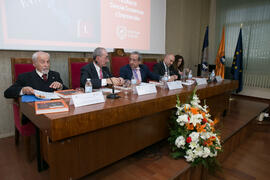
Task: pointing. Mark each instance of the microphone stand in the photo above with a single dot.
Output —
(112, 95)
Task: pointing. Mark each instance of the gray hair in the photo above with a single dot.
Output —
(36, 54)
(98, 52)
(137, 53)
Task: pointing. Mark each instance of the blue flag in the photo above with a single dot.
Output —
(237, 64)
(204, 60)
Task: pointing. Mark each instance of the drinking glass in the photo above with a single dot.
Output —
(126, 86)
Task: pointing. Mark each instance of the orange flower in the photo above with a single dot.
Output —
(200, 128)
(208, 142)
(194, 110)
(189, 126)
(218, 147)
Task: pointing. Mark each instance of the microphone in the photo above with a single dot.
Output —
(112, 95)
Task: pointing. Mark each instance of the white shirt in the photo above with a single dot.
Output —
(103, 81)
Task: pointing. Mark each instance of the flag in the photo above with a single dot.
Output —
(220, 58)
(204, 60)
(237, 64)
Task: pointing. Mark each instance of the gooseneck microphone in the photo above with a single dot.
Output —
(112, 95)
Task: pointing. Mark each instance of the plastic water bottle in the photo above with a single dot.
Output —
(88, 86)
(133, 84)
(166, 77)
(190, 74)
(212, 76)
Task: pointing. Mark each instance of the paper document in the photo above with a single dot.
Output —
(45, 95)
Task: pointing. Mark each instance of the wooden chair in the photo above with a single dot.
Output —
(74, 67)
(118, 59)
(150, 62)
(18, 66)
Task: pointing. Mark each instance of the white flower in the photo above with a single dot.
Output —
(198, 151)
(193, 144)
(190, 156)
(182, 119)
(194, 136)
(205, 108)
(206, 152)
(180, 142)
(213, 154)
(197, 118)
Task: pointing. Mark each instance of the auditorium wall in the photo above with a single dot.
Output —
(185, 27)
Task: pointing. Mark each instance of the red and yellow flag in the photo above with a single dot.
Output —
(220, 58)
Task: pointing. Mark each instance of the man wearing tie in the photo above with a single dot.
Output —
(98, 72)
(166, 66)
(137, 70)
(42, 78)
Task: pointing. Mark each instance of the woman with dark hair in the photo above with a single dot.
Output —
(178, 65)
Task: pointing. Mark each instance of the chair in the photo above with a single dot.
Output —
(18, 66)
(150, 62)
(74, 67)
(118, 59)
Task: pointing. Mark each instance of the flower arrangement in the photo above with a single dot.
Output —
(193, 135)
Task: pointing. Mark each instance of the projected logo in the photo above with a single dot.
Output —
(84, 29)
(121, 32)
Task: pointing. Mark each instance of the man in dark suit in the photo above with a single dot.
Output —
(166, 66)
(42, 78)
(137, 70)
(98, 72)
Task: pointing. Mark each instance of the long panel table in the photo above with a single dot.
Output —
(85, 139)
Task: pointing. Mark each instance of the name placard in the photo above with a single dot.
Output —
(174, 85)
(87, 99)
(146, 89)
(219, 78)
(201, 81)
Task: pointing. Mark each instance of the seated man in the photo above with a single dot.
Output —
(98, 72)
(42, 78)
(139, 71)
(166, 66)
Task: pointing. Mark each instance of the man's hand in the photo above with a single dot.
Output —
(116, 81)
(172, 78)
(27, 90)
(56, 85)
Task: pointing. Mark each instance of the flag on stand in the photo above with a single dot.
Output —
(220, 58)
(204, 60)
(237, 64)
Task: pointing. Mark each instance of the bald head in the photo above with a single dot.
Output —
(169, 59)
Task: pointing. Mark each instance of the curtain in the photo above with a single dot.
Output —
(254, 15)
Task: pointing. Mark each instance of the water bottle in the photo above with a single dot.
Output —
(133, 84)
(166, 77)
(88, 86)
(212, 76)
(190, 74)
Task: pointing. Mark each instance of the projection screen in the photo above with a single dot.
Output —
(82, 25)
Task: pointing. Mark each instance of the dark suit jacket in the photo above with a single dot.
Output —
(126, 73)
(160, 69)
(89, 71)
(33, 80)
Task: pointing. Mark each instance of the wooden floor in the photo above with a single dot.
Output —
(251, 160)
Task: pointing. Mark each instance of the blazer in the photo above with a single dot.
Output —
(126, 73)
(159, 69)
(33, 80)
(89, 71)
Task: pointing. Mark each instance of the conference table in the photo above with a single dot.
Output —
(87, 138)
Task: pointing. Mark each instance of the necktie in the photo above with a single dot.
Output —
(135, 74)
(44, 76)
(100, 73)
